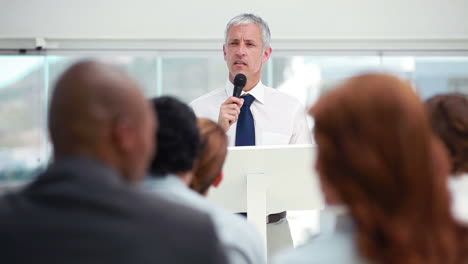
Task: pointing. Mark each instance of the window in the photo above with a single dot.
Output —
(26, 83)
(431, 75)
(23, 143)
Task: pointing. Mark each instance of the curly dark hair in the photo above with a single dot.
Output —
(177, 138)
(449, 119)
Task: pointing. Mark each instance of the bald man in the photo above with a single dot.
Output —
(84, 207)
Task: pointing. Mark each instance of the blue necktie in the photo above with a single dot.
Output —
(245, 131)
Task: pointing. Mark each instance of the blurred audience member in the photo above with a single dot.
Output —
(379, 161)
(211, 156)
(172, 172)
(449, 119)
(83, 209)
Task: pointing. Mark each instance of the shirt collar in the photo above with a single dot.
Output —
(258, 91)
(166, 181)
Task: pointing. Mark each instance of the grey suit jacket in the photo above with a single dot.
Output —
(80, 211)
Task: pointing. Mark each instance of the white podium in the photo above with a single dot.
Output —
(270, 179)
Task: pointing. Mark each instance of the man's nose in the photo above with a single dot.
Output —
(241, 50)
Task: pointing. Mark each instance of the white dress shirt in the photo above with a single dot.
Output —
(280, 119)
(239, 238)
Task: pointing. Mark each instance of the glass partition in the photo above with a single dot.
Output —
(23, 139)
(26, 83)
(431, 75)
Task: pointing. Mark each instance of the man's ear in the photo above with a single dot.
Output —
(266, 54)
(218, 180)
(123, 135)
(224, 51)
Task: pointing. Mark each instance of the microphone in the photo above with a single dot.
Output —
(239, 82)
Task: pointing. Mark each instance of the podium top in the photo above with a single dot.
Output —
(291, 181)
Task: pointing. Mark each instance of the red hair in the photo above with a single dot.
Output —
(211, 156)
(376, 150)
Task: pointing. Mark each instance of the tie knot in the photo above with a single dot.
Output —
(248, 99)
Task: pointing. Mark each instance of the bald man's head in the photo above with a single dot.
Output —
(97, 110)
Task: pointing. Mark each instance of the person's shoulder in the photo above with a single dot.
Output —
(223, 217)
(217, 94)
(334, 248)
(7, 201)
(157, 203)
(235, 221)
(285, 98)
(164, 214)
(207, 106)
(241, 235)
(184, 196)
(239, 227)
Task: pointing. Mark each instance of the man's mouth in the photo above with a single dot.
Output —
(240, 63)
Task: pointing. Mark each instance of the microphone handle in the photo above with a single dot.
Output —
(237, 91)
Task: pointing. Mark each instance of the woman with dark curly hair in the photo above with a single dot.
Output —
(449, 119)
(378, 158)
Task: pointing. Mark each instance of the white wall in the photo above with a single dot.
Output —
(205, 19)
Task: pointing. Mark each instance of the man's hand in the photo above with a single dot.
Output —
(229, 112)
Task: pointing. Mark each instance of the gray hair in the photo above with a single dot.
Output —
(245, 19)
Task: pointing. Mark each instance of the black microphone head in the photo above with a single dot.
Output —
(239, 82)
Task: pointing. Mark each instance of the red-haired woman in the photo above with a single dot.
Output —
(378, 158)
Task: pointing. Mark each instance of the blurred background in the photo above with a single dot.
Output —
(26, 83)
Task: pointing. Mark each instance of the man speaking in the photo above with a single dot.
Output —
(261, 115)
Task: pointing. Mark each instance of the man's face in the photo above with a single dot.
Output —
(243, 51)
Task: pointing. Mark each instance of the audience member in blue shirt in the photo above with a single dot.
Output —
(172, 172)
